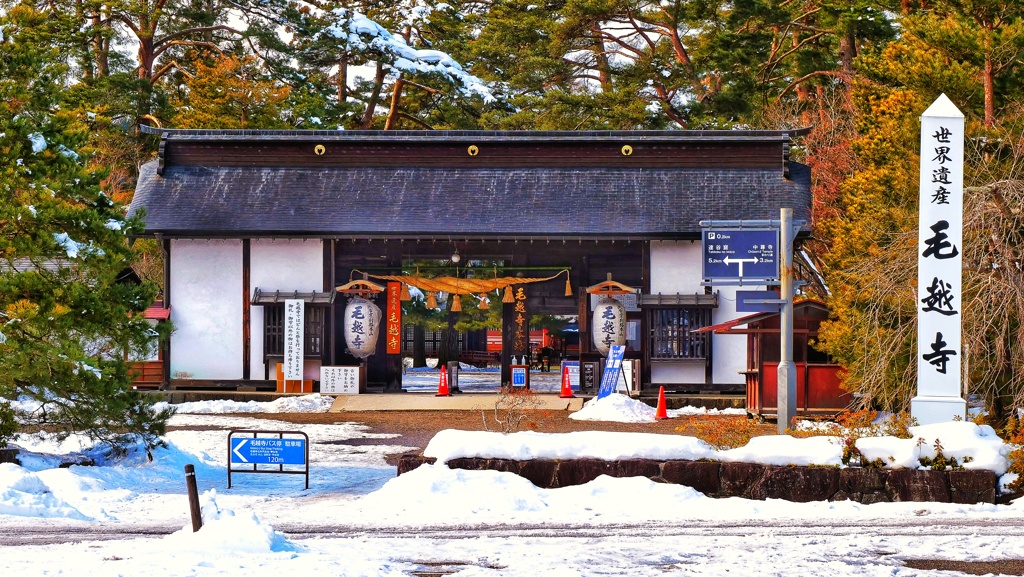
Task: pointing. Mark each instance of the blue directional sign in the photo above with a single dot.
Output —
(268, 451)
(743, 254)
(758, 302)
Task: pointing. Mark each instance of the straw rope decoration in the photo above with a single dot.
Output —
(465, 286)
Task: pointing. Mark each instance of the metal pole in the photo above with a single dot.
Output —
(787, 371)
(193, 497)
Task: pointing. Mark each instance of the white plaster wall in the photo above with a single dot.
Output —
(730, 350)
(676, 268)
(206, 308)
(285, 265)
(683, 373)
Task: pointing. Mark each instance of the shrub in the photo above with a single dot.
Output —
(724, 432)
(1013, 434)
(510, 410)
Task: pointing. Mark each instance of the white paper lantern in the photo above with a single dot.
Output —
(361, 327)
(609, 325)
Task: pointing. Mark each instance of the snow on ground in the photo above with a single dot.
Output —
(358, 519)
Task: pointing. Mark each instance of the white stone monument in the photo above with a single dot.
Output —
(939, 266)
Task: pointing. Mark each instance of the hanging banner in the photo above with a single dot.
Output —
(294, 338)
(939, 262)
(612, 370)
(521, 324)
(393, 330)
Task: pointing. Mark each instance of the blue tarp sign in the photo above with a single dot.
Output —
(612, 370)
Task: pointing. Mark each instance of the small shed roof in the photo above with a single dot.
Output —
(732, 327)
(423, 184)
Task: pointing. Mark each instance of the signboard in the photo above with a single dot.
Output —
(294, 337)
(612, 369)
(393, 328)
(743, 254)
(268, 452)
(939, 262)
(753, 302)
(519, 376)
(588, 376)
(574, 373)
(339, 380)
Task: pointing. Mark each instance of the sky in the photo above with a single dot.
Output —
(131, 516)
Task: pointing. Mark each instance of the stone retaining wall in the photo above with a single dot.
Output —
(748, 480)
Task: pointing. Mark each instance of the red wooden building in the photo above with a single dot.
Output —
(818, 390)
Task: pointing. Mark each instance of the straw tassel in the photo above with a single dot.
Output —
(568, 287)
(431, 301)
(509, 297)
(456, 304)
(405, 296)
(483, 302)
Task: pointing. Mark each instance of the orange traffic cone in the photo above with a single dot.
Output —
(442, 386)
(566, 386)
(661, 414)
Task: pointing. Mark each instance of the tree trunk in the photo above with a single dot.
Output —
(988, 75)
(449, 346)
(371, 104)
(419, 348)
(603, 68)
(396, 97)
(847, 52)
(146, 58)
(343, 78)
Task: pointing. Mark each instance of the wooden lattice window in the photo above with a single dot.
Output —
(672, 332)
(273, 330)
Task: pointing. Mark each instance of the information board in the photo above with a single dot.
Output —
(742, 254)
(588, 376)
(520, 376)
(294, 339)
(339, 380)
(268, 451)
(574, 373)
(252, 451)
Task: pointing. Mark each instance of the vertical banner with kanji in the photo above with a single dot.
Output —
(939, 261)
(521, 319)
(393, 330)
(294, 310)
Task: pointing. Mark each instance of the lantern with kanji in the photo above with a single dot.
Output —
(361, 324)
(609, 322)
(609, 325)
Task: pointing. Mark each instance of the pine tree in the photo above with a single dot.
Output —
(230, 92)
(66, 322)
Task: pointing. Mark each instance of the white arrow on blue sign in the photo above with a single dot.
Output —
(740, 254)
(268, 451)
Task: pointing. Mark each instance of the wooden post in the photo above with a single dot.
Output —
(193, 497)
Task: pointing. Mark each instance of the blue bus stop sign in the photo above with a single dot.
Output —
(268, 451)
(251, 451)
